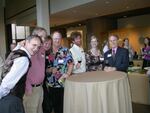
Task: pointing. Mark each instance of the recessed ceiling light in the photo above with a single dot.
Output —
(107, 2)
(127, 7)
(96, 14)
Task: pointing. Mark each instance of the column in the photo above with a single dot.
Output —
(2, 30)
(42, 9)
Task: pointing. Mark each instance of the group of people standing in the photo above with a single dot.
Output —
(144, 53)
(42, 62)
(62, 62)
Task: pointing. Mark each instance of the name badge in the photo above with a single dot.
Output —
(60, 61)
(109, 55)
(101, 59)
(46, 57)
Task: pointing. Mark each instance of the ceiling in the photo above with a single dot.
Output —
(98, 8)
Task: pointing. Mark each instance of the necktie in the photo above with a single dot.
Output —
(113, 54)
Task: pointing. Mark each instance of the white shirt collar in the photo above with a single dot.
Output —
(77, 47)
(22, 48)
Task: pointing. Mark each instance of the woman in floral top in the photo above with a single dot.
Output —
(93, 56)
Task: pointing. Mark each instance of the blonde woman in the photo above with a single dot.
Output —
(93, 56)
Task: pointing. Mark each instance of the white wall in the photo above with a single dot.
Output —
(133, 22)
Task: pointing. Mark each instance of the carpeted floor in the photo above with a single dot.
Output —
(140, 108)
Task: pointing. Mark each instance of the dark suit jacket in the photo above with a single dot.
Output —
(121, 60)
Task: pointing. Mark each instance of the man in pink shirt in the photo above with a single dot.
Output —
(33, 97)
(117, 58)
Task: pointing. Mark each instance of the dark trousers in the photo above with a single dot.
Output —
(53, 100)
(146, 63)
(11, 104)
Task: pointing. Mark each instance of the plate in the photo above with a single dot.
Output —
(135, 67)
(147, 68)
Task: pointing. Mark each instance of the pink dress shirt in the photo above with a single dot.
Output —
(114, 50)
(36, 72)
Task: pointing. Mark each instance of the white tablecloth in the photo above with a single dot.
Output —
(97, 92)
(140, 88)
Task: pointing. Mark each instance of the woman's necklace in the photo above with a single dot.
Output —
(55, 50)
(95, 52)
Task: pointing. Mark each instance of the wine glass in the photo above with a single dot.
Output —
(101, 59)
(107, 63)
(79, 59)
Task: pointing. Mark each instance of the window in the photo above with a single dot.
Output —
(19, 32)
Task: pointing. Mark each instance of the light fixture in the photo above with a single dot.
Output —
(127, 7)
(107, 2)
(96, 14)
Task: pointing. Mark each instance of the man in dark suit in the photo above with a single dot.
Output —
(117, 58)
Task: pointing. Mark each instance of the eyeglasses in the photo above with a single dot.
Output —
(112, 40)
(56, 39)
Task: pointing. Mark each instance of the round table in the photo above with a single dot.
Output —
(97, 92)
